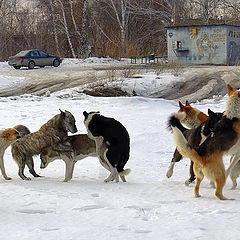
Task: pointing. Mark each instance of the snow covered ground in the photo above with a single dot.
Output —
(149, 206)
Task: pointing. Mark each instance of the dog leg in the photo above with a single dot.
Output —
(233, 161)
(176, 158)
(114, 173)
(169, 172)
(113, 176)
(192, 175)
(72, 168)
(21, 171)
(196, 189)
(212, 184)
(3, 168)
(30, 164)
(68, 171)
(104, 164)
(199, 174)
(123, 178)
(234, 175)
(219, 187)
(234, 181)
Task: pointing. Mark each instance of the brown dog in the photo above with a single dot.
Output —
(50, 134)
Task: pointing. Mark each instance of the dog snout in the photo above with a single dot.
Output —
(73, 129)
(19, 136)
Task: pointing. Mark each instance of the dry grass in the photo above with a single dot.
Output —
(175, 68)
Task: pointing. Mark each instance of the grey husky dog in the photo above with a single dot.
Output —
(82, 147)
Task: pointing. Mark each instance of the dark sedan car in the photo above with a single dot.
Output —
(32, 58)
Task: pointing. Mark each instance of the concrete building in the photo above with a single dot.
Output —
(204, 44)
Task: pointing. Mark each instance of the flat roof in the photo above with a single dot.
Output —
(202, 25)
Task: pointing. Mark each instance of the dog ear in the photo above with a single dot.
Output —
(187, 103)
(210, 112)
(230, 90)
(85, 114)
(62, 113)
(181, 105)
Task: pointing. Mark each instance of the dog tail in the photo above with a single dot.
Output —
(184, 148)
(125, 172)
(174, 121)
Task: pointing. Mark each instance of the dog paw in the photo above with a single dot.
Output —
(66, 180)
(169, 173)
(197, 195)
(27, 179)
(8, 178)
(187, 182)
(107, 180)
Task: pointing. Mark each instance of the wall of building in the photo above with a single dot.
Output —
(233, 45)
(199, 45)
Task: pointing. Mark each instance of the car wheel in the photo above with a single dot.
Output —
(17, 67)
(56, 63)
(42, 66)
(31, 64)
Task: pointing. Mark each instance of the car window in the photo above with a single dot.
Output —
(42, 53)
(34, 54)
(22, 53)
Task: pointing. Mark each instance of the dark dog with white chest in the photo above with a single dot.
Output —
(111, 133)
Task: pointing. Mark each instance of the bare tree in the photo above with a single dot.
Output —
(66, 29)
(84, 37)
(207, 8)
(122, 17)
(54, 26)
(73, 19)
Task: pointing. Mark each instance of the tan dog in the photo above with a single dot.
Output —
(7, 137)
(208, 158)
(51, 133)
(82, 147)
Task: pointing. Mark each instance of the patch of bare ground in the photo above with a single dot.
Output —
(105, 92)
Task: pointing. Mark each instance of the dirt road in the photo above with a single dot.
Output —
(196, 83)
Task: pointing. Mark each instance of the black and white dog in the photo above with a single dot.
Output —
(112, 143)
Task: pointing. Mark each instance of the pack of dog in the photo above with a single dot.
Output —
(112, 143)
(52, 133)
(208, 156)
(205, 140)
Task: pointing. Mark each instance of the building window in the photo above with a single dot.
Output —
(179, 44)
